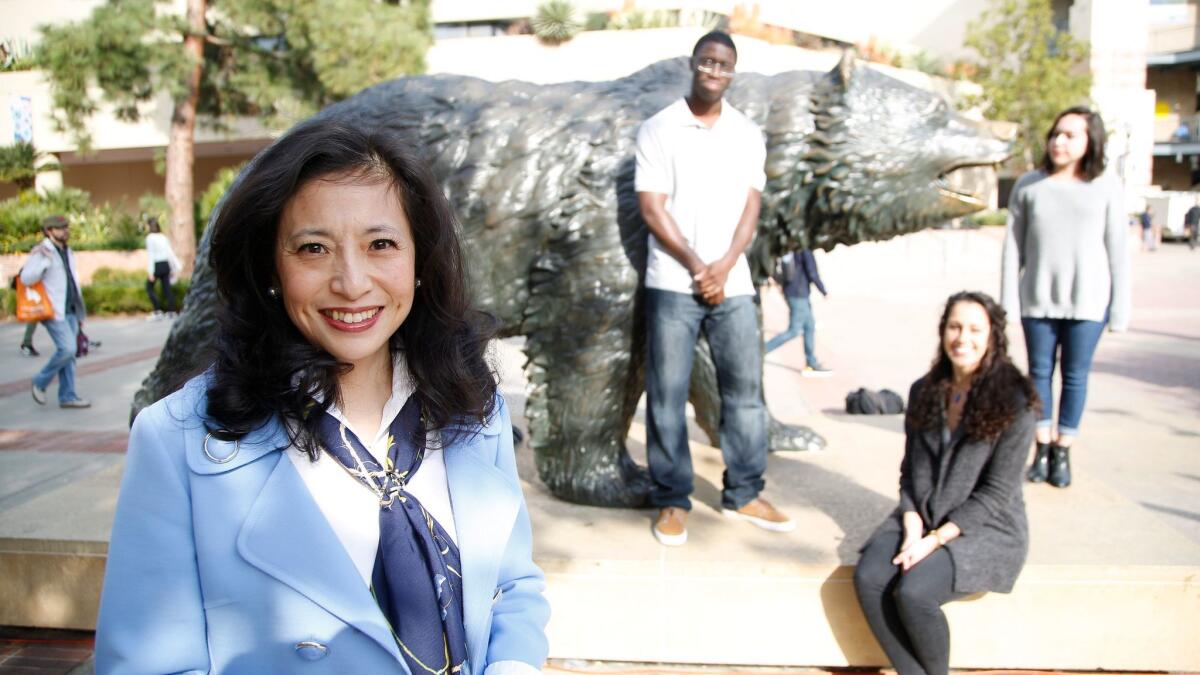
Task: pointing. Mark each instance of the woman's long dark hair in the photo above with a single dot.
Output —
(999, 391)
(265, 366)
(1092, 162)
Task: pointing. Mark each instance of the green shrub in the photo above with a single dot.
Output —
(987, 219)
(124, 292)
(111, 276)
(556, 22)
(106, 226)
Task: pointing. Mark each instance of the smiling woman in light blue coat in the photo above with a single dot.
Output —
(338, 492)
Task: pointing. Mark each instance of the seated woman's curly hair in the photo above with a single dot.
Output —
(999, 391)
(265, 366)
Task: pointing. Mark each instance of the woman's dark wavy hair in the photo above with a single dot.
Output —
(265, 366)
(999, 391)
(1092, 163)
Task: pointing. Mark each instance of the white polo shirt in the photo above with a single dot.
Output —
(706, 174)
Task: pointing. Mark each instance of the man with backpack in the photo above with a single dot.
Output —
(797, 279)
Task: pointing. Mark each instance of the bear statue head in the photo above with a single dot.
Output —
(869, 157)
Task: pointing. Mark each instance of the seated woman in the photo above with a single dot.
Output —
(340, 486)
(960, 527)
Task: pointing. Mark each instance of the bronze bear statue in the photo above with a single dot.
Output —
(541, 177)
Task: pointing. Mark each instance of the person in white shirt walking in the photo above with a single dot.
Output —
(161, 268)
(699, 180)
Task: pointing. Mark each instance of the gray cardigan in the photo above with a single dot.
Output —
(975, 485)
(1065, 252)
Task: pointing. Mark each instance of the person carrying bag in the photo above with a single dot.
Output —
(51, 267)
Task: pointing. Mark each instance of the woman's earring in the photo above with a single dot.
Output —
(418, 283)
(273, 292)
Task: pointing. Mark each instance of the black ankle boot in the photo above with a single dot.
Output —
(1060, 466)
(1040, 469)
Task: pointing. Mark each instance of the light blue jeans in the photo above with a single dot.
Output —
(1075, 340)
(673, 324)
(62, 362)
(800, 320)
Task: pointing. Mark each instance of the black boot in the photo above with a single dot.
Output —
(1040, 469)
(1060, 466)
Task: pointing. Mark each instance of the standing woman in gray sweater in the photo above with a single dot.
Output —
(1065, 272)
(960, 527)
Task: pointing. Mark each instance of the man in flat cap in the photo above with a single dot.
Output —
(52, 263)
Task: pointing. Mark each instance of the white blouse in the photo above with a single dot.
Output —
(158, 249)
(350, 507)
(353, 510)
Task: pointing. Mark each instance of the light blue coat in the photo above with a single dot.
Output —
(232, 568)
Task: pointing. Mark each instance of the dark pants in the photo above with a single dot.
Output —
(673, 324)
(904, 611)
(162, 275)
(1077, 340)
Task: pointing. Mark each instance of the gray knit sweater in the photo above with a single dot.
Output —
(1065, 254)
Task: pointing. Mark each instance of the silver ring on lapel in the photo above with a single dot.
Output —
(237, 445)
(311, 650)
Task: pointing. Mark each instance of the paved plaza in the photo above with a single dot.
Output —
(1136, 464)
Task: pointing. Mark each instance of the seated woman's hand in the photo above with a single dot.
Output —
(911, 554)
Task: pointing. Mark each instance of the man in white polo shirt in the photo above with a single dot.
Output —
(699, 182)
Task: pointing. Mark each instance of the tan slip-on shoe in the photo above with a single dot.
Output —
(760, 512)
(671, 527)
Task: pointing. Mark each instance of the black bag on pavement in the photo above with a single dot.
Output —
(867, 402)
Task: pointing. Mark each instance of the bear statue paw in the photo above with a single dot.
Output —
(788, 438)
(622, 484)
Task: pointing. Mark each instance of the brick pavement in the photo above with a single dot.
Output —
(29, 651)
(83, 368)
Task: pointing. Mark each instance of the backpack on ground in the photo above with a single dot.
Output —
(867, 402)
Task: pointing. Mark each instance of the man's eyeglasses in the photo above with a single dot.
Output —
(715, 67)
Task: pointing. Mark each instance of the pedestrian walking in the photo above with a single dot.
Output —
(797, 290)
(53, 263)
(1065, 272)
(960, 527)
(161, 267)
(1149, 237)
(1191, 222)
(699, 177)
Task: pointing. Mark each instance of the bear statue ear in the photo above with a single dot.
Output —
(843, 72)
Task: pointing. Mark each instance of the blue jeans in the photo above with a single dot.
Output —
(62, 362)
(800, 319)
(673, 324)
(1077, 340)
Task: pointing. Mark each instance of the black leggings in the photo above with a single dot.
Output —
(162, 274)
(905, 610)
